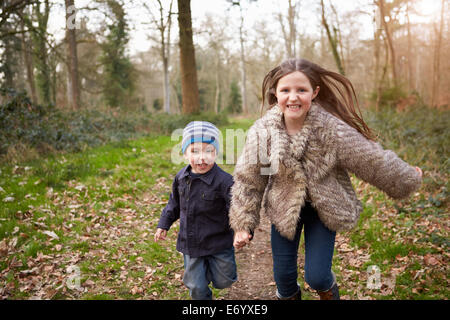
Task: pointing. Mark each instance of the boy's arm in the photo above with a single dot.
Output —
(171, 212)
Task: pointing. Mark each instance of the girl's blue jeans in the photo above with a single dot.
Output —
(220, 269)
(319, 248)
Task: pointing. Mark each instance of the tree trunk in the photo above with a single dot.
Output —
(243, 71)
(338, 38)
(333, 41)
(164, 41)
(437, 61)
(410, 55)
(288, 54)
(383, 75)
(377, 80)
(292, 27)
(72, 57)
(40, 51)
(290, 35)
(389, 39)
(322, 45)
(165, 51)
(217, 98)
(188, 69)
(28, 58)
(166, 85)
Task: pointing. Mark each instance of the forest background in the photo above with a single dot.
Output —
(94, 89)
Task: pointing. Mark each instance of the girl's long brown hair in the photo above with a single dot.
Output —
(336, 94)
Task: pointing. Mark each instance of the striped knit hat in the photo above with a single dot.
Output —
(200, 131)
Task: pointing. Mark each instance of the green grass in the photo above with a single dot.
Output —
(70, 194)
(103, 204)
(78, 196)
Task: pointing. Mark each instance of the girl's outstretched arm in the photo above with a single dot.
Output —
(419, 171)
(371, 163)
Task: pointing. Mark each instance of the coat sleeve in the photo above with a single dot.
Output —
(371, 163)
(249, 184)
(171, 212)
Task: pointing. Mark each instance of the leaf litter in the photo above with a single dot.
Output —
(110, 248)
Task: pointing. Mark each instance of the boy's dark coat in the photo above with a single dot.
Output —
(202, 205)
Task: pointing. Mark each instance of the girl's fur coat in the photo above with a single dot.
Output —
(276, 173)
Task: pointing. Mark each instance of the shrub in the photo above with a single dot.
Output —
(390, 97)
(419, 135)
(28, 130)
(164, 123)
(43, 129)
(157, 104)
(235, 99)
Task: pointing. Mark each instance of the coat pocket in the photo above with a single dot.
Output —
(209, 195)
(211, 202)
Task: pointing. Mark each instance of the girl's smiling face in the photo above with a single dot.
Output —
(294, 95)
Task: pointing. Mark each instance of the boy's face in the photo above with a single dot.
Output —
(201, 156)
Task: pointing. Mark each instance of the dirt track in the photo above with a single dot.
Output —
(254, 262)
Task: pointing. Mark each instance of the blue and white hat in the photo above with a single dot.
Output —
(200, 131)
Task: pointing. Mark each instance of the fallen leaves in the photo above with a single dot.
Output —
(51, 234)
(43, 278)
(136, 290)
(3, 247)
(9, 199)
(106, 234)
(93, 243)
(431, 260)
(88, 283)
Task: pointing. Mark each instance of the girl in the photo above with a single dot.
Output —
(311, 137)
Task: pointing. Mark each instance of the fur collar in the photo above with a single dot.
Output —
(300, 161)
(292, 144)
(314, 135)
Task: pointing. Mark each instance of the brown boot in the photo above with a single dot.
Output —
(332, 294)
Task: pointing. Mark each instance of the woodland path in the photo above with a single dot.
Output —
(254, 265)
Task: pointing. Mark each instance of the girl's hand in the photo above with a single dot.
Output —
(160, 234)
(241, 238)
(419, 171)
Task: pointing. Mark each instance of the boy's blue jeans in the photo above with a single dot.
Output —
(220, 269)
(319, 248)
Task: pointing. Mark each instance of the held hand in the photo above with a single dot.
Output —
(241, 238)
(419, 171)
(160, 234)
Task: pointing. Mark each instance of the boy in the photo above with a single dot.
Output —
(200, 198)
